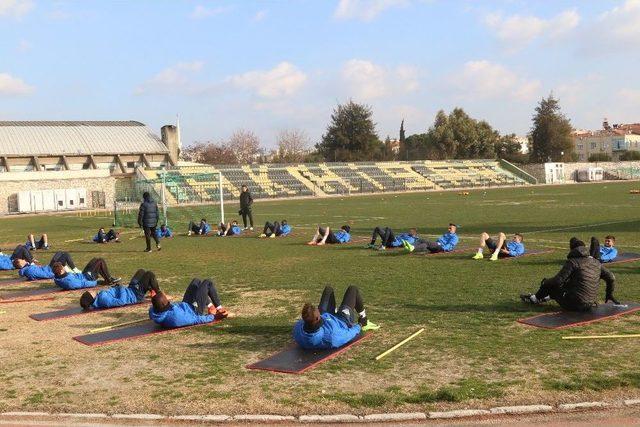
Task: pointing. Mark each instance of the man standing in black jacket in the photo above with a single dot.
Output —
(575, 287)
(245, 207)
(148, 220)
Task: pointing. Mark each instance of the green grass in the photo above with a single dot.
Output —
(472, 348)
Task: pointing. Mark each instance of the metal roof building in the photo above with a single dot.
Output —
(120, 146)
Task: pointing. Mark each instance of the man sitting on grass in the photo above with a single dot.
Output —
(32, 271)
(87, 278)
(276, 229)
(199, 229)
(608, 252)
(445, 243)
(200, 304)
(389, 240)
(231, 229)
(164, 232)
(324, 327)
(325, 235)
(118, 296)
(33, 244)
(575, 287)
(106, 237)
(501, 248)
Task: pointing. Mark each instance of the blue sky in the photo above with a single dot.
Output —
(266, 65)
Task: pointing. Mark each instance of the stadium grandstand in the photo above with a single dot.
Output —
(66, 165)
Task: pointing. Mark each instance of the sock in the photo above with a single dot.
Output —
(479, 250)
(363, 314)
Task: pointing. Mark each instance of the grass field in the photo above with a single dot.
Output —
(472, 353)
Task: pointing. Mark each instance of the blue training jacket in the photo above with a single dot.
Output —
(162, 234)
(6, 263)
(116, 296)
(285, 229)
(179, 314)
(74, 281)
(334, 333)
(515, 248)
(236, 230)
(608, 254)
(403, 236)
(448, 241)
(36, 272)
(205, 228)
(343, 236)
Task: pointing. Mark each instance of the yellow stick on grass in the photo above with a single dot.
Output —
(599, 337)
(107, 328)
(401, 343)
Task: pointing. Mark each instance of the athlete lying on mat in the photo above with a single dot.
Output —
(445, 243)
(325, 327)
(325, 235)
(575, 287)
(87, 278)
(199, 229)
(608, 252)
(31, 271)
(20, 252)
(33, 244)
(275, 229)
(118, 296)
(231, 229)
(164, 232)
(501, 248)
(200, 304)
(389, 240)
(106, 237)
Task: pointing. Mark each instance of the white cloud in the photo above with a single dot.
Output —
(178, 77)
(364, 10)
(484, 79)
(259, 16)
(15, 8)
(10, 85)
(517, 31)
(285, 79)
(621, 24)
(367, 80)
(202, 12)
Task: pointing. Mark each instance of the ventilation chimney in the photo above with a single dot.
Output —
(171, 139)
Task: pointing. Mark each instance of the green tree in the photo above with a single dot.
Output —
(630, 155)
(599, 157)
(351, 135)
(551, 133)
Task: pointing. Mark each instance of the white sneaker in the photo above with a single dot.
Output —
(250, 228)
(189, 233)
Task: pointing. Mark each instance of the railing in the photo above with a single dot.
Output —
(518, 172)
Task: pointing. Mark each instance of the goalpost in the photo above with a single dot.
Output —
(181, 196)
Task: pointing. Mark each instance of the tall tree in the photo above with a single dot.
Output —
(551, 133)
(210, 153)
(293, 146)
(245, 145)
(351, 135)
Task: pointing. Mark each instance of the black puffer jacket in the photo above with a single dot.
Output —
(246, 200)
(148, 214)
(580, 277)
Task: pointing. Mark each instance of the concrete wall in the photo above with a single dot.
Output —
(92, 180)
(624, 169)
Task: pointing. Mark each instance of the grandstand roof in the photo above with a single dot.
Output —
(42, 138)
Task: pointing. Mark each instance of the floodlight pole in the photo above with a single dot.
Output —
(221, 197)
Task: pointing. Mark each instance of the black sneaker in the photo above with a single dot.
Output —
(363, 321)
(148, 250)
(114, 280)
(529, 299)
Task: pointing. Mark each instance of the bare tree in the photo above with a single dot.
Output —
(210, 153)
(245, 145)
(293, 146)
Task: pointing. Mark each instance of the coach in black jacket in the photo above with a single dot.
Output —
(148, 219)
(575, 287)
(245, 206)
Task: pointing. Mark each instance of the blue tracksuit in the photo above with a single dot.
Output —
(404, 236)
(205, 228)
(608, 254)
(6, 263)
(343, 236)
(36, 272)
(236, 230)
(448, 241)
(333, 333)
(285, 229)
(74, 281)
(515, 248)
(116, 296)
(179, 314)
(163, 234)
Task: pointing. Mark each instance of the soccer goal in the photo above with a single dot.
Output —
(182, 196)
